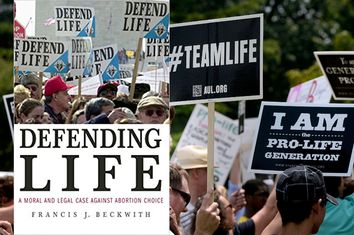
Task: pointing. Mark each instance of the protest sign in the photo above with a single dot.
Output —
(311, 134)
(91, 179)
(10, 110)
(79, 55)
(338, 66)
(227, 141)
(88, 87)
(75, 21)
(153, 78)
(105, 62)
(41, 55)
(217, 60)
(19, 30)
(317, 90)
(155, 48)
(145, 19)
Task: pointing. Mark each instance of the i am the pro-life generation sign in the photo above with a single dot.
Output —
(217, 60)
(319, 135)
(338, 66)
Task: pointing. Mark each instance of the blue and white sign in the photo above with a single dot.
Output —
(106, 62)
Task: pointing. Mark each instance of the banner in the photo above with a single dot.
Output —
(79, 54)
(227, 142)
(19, 30)
(41, 55)
(91, 179)
(310, 134)
(88, 87)
(338, 66)
(105, 61)
(155, 48)
(75, 21)
(317, 90)
(217, 60)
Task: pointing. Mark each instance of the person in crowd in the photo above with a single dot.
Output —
(301, 200)
(339, 219)
(30, 109)
(97, 106)
(79, 117)
(46, 118)
(152, 110)
(77, 104)
(31, 82)
(20, 94)
(256, 194)
(57, 100)
(122, 100)
(180, 197)
(7, 190)
(226, 215)
(108, 90)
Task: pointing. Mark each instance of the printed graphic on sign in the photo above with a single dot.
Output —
(227, 142)
(80, 52)
(41, 55)
(75, 21)
(106, 62)
(91, 179)
(310, 134)
(338, 66)
(19, 30)
(317, 90)
(217, 60)
(147, 19)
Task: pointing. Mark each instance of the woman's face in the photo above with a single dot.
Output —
(36, 114)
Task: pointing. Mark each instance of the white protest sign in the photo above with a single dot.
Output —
(149, 19)
(88, 87)
(153, 78)
(105, 61)
(41, 55)
(317, 90)
(80, 50)
(75, 21)
(157, 48)
(227, 142)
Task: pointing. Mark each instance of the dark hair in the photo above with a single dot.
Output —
(295, 212)
(7, 187)
(252, 186)
(176, 174)
(332, 185)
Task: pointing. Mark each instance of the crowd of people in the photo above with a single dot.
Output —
(299, 201)
(53, 104)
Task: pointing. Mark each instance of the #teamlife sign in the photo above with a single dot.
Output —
(41, 55)
(91, 179)
(217, 60)
(145, 19)
(75, 21)
(105, 61)
(338, 66)
(311, 134)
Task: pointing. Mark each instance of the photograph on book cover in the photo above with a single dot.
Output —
(95, 63)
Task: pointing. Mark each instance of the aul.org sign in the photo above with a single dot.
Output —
(217, 60)
(292, 134)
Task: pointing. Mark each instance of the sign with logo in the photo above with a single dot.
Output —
(41, 55)
(146, 19)
(338, 66)
(227, 142)
(310, 134)
(10, 110)
(75, 21)
(105, 61)
(19, 30)
(91, 179)
(317, 90)
(217, 60)
(80, 52)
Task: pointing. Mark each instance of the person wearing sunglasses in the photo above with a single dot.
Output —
(31, 81)
(108, 90)
(152, 110)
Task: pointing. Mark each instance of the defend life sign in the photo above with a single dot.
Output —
(292, 134)
(146, 19)
(97, 179)
(105, 62)
(75, 21)
(80, 52)
(217, 60)
(41, 55)
(338, 66)
(227, 141)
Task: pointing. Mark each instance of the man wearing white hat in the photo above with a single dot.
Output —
(193, 159)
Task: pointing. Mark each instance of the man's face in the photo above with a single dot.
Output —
(62, 99)
(108, 93)
(34, 91)
(152, 115)
(177, 201)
